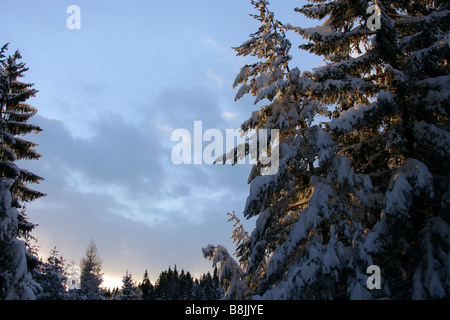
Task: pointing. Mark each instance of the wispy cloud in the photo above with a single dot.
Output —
(213, 44)
(229, 115)
(215, 77)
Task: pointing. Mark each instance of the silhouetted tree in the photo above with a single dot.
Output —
(91, 276)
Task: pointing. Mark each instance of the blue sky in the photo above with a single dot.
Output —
(110, 94)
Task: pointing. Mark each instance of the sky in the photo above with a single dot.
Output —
(110, 95)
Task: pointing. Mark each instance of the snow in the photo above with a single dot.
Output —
(261, 220)
(318, 32)
(8, 215)
(266, 92)
(413, 177)
(307, 219)
(418, 290)
(322, 143)
(228, 270)
(73, 276)
(241, 77)
(258, 186)
(19, 282)
(420, 177)
(441, 228)
(359, 292)
(242, 91)
(434, 285)
(433, 15)
(325, 145)
(349, 118)
(21, 288)
(345, 174)
(352, 118)
(431, 134)
(330, 258)
(316, 189)
(341, 67)
(398, 199)
(431, 277)
(262, 81)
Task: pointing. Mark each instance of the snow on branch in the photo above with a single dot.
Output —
(230, 273)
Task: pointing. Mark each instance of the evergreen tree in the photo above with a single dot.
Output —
(34, 263)
(174, 280)
(161, 286)
(15, 279)
(108, 294)
(146, 287)
(197, 293)
(218, 293)
(370, 186)
(115, 294)
(207, 286)
(16, 282)
(14, 114)
(167, 285)
(174, 285)
(186, 286)
(52, 278)
(128, 291)
(91, 276)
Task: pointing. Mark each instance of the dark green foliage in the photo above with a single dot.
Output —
(128, 291)
(174, 285)
(17, 257)
(14, 116)
(51, 278)
(91, 276)
(370, 184)
(146, 287)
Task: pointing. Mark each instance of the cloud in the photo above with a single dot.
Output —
(229, 115)
(106, 141)
(119, 186)
(216, 78)
(120, 161)
(213, 44)
(130, 163)
(179, 107)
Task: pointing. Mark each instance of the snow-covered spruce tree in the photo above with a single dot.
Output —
(230, 274)
(91, 274)
(298, 244)
(52, 278)
(390, 88)
(372, 185)
(15, 279)
(128, 291)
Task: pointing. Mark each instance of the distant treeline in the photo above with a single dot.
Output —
(171, 285)
(56, 280)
